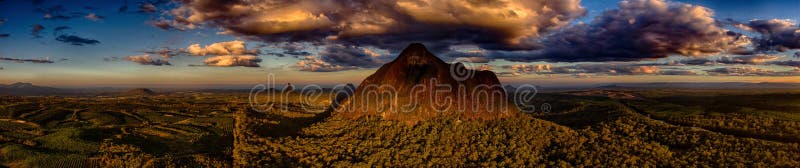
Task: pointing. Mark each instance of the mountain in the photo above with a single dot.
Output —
(418, 85)
(20, 88)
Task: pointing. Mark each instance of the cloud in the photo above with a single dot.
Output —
(477, 59)
(146, 60)
(748, 59)
(4, 35)
(786, 63)
(294, 49)
(75, 40)
(528, 69)
(608, 69)
(235, 47)
(166, 52)
(60, 30)
(57, 12)
(750, 71)
(695, 61)
(36, 30)
(18, 60)
(776, 34)
(679, 72)
(111, 59)
(93, 17)
(386, 24)
(147, 7)
(639, 29)
(233, 60)
(165, 25)
(755, 59)
(313, 64)
(350, 56)
(589, 69)
(507, 74)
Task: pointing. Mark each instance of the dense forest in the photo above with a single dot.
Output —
(581, 131)
(194, 129)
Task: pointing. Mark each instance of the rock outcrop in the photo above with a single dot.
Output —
(418, 85)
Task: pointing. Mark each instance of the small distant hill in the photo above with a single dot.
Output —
(139, 92)
(21, 88)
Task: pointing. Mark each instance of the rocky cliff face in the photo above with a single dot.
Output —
(417, 86)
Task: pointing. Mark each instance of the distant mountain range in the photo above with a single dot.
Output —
(29, 89)
(719, 85)
(20, 88)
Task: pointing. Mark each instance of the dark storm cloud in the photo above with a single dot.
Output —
(639, 29)
(696, 61)
(348, 56)
(294, 49)
(776, 34)
(277, 54)
(385, 24)
(792, 63)
(75, 40)
(679, 72)
(36, 30)
(18, 60)
(297, 53)
(146, 60)
(471, 56)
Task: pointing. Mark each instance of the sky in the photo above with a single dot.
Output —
(215, 43)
